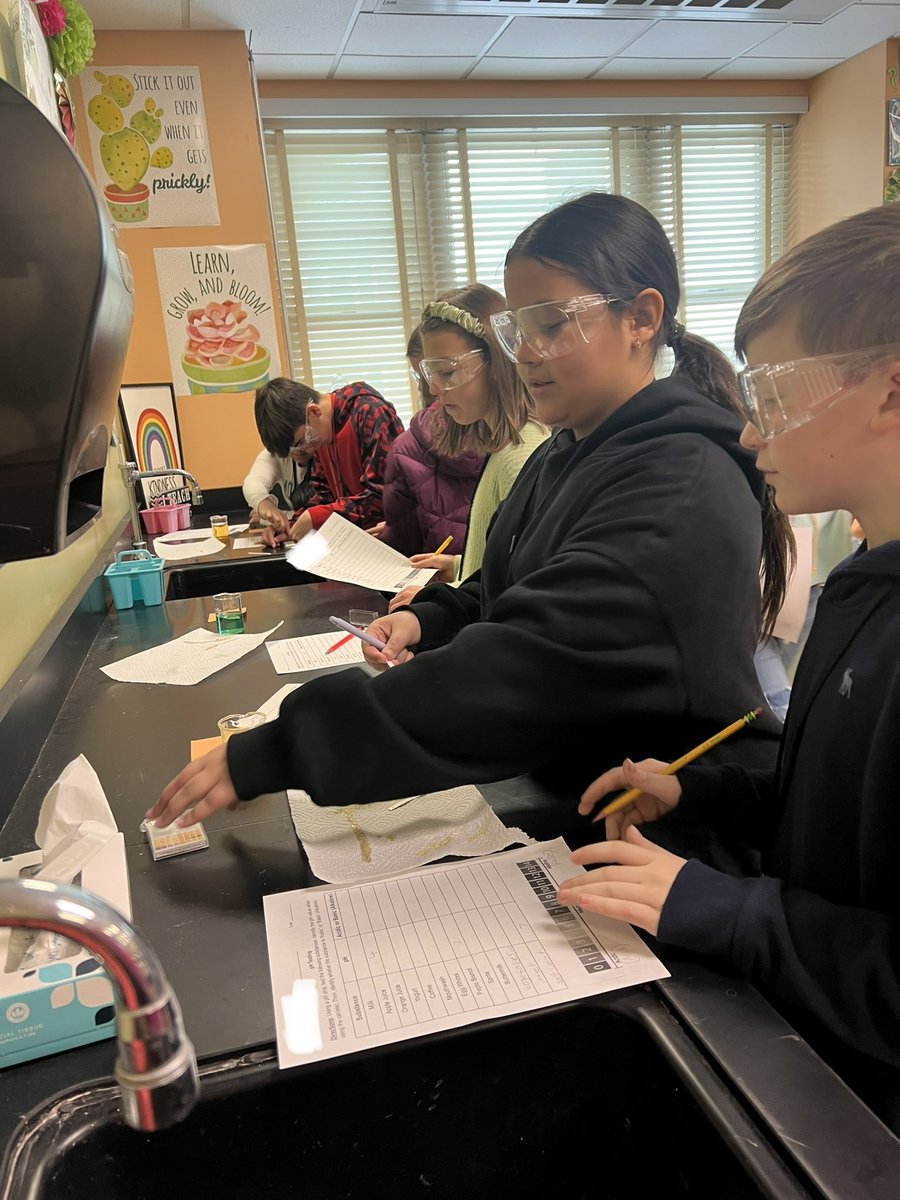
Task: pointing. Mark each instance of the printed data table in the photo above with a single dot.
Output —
(363, 965)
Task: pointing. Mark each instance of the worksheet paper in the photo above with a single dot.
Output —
(369, 964)
(249, 542)
(344, 552)
(310, 653)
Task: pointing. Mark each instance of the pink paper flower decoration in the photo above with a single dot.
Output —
(52, 17)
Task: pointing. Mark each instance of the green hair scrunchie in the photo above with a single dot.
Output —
(73, 49)
(443, 311)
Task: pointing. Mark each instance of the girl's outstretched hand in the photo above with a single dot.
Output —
(632, 885)
(202, 788)
(658, 794)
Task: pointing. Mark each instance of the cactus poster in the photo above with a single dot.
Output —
(219, 311)
(147, 130)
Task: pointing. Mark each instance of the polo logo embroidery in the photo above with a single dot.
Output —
(846, 683)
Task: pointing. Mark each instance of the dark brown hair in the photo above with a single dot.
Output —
(841, 286)
(279, 407)
(511, 404)
(618, 248)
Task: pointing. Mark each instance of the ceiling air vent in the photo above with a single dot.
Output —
(814, 12)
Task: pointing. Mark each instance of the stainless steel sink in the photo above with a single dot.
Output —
(581, 1101)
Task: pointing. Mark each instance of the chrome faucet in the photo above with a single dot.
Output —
(156, 1068)
(132, 474)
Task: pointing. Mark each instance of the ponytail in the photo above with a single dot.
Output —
(706, 367)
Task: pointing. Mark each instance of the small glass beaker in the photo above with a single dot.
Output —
(240, 723)
(229, 612)
(219, 526)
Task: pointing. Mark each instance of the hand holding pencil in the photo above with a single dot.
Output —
(652, 790)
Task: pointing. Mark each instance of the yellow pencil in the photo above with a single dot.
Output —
(444, 544)
(633, 793)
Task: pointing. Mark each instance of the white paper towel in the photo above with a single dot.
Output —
(186, 543)
(188, 659)
(347, 844)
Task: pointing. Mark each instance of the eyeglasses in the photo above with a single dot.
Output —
(777, 397)
(444, 374)
(551, 330)
(414, 375)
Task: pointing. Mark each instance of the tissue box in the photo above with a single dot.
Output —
(69, 1002)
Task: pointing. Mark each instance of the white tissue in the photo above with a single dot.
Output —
(347, 844)
(75, 822)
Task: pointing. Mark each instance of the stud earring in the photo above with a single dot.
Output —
(638, 344)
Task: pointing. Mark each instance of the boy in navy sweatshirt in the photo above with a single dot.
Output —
(819, 931)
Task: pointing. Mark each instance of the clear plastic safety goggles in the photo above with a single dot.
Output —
(444, 374)
(777, 397)
(551, 330)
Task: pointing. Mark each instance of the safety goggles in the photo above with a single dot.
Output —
(444, 374)
(305, 445)
(777, 397)
(551, 330)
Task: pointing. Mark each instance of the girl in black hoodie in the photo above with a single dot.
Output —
(618, 605)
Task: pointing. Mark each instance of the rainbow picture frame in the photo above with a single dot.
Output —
(150, 421)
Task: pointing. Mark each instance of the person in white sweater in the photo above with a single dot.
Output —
(290, 475)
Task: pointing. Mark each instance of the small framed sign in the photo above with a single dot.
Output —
(150, 421)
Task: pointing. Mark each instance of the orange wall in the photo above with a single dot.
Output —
(218, 433)
(839, 150)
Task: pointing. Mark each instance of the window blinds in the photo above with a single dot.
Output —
(372, 224)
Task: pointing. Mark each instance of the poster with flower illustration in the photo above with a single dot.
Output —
(219, 312)
(147, 130)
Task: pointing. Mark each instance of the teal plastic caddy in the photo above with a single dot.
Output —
(135, 575)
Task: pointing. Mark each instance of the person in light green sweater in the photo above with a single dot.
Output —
(485, 409)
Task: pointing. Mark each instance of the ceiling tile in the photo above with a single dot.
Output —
(292, 66)
(134, 14)
(536, 67)
(392, 33)
(299, 27)
(843, 36)
(776, 68)
(700, 39)
(374, 66)
(562, 36)
(660, 68)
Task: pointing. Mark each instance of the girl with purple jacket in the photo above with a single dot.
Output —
(426, 494)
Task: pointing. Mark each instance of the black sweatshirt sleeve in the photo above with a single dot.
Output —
(840, 963)
(577, 636)
(732, 800)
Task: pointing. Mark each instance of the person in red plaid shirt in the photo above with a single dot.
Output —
(348, 432)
